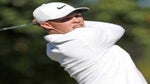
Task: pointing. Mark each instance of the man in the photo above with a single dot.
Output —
(86, 49)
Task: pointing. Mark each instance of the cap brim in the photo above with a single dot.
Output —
(81, 9)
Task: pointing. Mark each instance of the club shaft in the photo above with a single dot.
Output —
(14, 27)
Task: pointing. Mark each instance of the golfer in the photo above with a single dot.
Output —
(86, 49)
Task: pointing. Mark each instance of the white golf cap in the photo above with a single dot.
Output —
(54, 10)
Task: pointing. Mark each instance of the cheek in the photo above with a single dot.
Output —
(82, 21)
(68, 25)
(65, 27)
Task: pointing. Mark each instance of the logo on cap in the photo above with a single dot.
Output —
(61, 7)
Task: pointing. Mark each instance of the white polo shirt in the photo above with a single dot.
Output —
(90, 55)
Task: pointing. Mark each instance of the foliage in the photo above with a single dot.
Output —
(23, 59)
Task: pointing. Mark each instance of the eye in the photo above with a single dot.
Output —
(65, 19)
(79, 15)
(70, 17)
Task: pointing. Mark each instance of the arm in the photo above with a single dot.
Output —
(106, 34)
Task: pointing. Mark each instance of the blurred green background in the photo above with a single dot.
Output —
(22, 51)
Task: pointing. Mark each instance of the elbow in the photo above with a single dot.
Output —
(120, 30)
(117, 32)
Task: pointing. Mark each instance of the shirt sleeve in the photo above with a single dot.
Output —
(104, 34)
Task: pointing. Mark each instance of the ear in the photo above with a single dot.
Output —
(46, 25)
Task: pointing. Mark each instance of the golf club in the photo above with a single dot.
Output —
(14, 27)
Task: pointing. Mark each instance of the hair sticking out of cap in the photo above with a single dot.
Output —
(35, 22)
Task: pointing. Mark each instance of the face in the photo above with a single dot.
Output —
(65, 24)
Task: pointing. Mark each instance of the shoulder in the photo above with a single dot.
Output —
(104, 27)
(100, 24)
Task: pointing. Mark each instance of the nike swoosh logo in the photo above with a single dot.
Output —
(61, 7)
